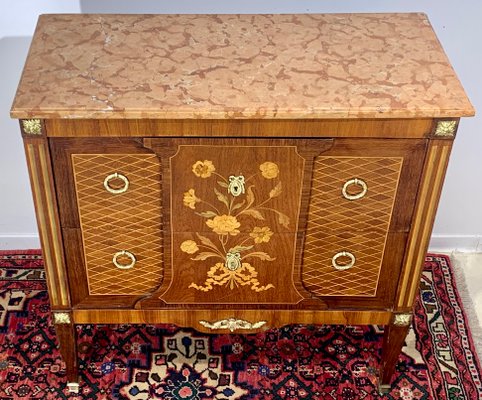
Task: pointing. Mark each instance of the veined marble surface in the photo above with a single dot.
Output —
(238, 66)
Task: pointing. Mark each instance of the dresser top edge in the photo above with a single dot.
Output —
(302, 66)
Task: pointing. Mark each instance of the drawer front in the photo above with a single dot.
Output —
(349, 216)
(119, 206)
(353, 193)
(343, 264)
(120, 262)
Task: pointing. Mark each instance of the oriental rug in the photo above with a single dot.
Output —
(294, 362)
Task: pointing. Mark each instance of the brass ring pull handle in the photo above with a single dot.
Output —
(113, 176)
(343, 267)
(127, 254)
(358, 182)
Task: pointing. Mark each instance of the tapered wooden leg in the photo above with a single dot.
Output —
(68, 348)
(393, 341)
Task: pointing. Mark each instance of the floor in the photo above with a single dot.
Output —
(469, 266)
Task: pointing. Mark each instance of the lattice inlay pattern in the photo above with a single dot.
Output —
(113, 222)
(359, 226)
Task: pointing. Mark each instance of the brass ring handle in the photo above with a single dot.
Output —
(343, 267)
(124, 253)
(116, 175)
(354, 181)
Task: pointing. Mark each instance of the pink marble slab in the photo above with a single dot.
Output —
(238, 66)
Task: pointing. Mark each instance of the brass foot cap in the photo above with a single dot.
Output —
(73, 387)
(384, 389)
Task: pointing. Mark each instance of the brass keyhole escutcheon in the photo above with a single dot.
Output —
(236, 185)
(233, 261)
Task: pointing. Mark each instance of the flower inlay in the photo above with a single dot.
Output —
(203, 169)
(233, 267)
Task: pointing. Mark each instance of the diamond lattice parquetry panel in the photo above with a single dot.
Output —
(360, 226)
(128, 221)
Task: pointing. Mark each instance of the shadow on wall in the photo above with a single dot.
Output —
(17, 219)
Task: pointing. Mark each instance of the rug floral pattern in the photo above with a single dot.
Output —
(293, 362)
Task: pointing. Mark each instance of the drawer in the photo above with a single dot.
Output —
(231, 189)
(122, 261)
(343, 264)
(123, 190)
(242, 270)
(353, 193)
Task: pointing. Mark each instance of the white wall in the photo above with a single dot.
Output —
(18, 228)
(457, 23)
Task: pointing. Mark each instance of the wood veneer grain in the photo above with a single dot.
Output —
(390, 128)
(192, 317)
(436, 163)
(45, 201)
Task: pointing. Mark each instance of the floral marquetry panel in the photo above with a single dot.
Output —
(235, 212)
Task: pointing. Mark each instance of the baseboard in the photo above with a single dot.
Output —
(19, 241)
(449, 243)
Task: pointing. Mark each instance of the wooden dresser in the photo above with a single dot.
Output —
(234, 173)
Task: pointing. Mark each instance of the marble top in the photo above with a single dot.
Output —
(238, 66)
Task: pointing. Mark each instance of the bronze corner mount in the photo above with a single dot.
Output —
(446, 128)
(61, 318)
(32, 126)
(402, 319)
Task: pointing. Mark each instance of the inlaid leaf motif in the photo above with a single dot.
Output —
(284, 220)
(254, 213)
(223, 184)
(206, 241)
(237, 205)
(207, 214)
(205, 255)
(261, 255)
(239, 249)
(276, 191)
(221, 197)
(250, 196)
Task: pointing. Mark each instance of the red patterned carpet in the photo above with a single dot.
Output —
(295, 362)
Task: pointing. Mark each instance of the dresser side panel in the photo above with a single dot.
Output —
(436, 163)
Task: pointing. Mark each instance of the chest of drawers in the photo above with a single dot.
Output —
(236, 173)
